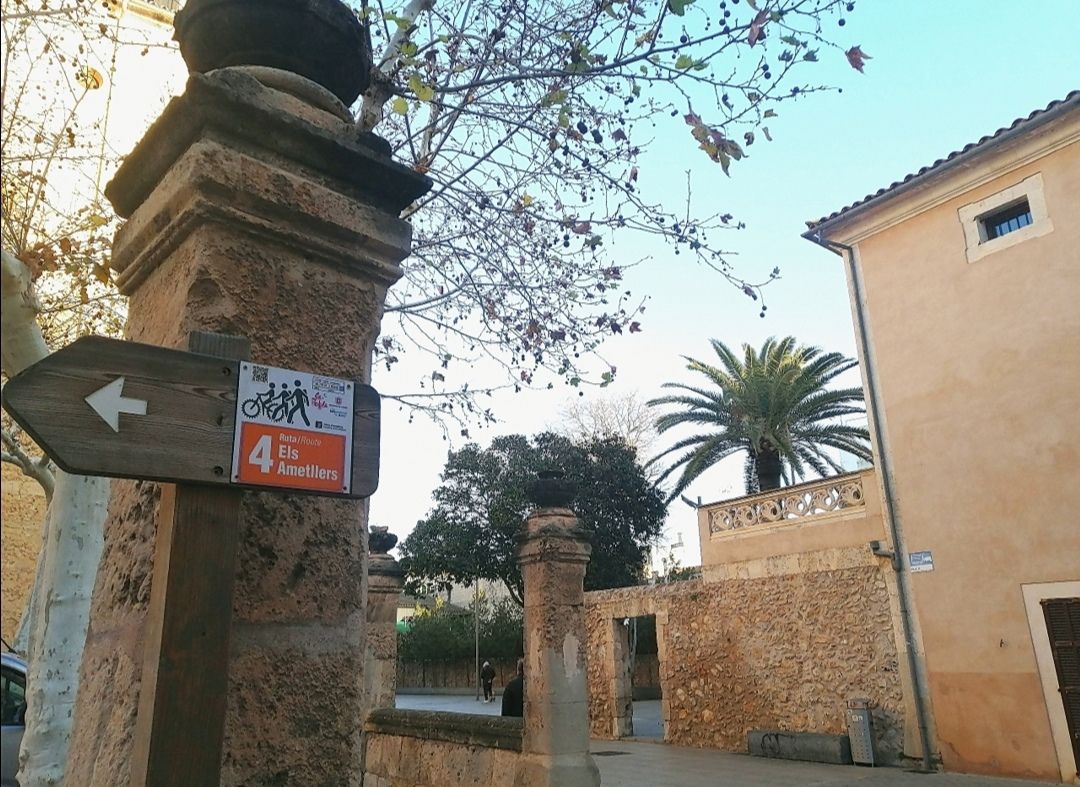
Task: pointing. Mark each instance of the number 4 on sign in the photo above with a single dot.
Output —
(262, 454)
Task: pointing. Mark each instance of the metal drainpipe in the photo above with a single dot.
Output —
(476, 630)
(903, 594)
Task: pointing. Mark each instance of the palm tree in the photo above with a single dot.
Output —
(773, 404)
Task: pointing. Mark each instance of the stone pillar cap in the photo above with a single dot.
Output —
(235, 105)
(385, 566)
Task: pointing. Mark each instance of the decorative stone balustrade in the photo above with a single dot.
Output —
(805, 501)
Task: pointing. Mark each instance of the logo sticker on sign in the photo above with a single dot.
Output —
(293, 430)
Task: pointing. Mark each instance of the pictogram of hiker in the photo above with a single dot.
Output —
(284, 399)
(299, 400)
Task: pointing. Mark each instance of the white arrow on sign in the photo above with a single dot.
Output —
(109, 401)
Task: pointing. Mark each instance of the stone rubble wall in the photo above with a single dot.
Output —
(776, 652)
(400, 761)
(23, 518)
(437, 749)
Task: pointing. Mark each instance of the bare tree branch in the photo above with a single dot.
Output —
(35, 467)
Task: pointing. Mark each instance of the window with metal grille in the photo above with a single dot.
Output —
(1010, 219)
(1006, 219)
(1063, 626)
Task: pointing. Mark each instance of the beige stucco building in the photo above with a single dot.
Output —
(965, 289)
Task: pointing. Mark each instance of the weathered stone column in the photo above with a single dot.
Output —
(553, 554)
(385, 580)
(254, 208)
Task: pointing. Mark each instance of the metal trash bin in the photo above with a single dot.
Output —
(860, 727)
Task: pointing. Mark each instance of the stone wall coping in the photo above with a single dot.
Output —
(470, 729)
(613, 595)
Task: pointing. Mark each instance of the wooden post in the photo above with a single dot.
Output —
(181, 721)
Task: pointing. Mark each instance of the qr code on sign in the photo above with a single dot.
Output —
(259, 374)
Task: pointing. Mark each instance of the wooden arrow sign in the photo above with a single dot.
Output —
(126, 410)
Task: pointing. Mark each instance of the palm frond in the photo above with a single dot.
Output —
(772, 398)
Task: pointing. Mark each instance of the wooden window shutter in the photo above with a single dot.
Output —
(1063, 625)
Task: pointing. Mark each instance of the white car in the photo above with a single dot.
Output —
(12, 716)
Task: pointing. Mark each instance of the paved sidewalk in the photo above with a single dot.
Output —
(632, 764)
(455, 703)
(638, 764)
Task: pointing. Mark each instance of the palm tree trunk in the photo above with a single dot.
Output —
(767, 464)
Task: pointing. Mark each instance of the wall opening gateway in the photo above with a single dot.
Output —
(638, 697)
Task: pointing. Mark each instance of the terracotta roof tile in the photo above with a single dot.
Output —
(1072, 98)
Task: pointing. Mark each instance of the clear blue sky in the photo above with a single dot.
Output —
(944, 73)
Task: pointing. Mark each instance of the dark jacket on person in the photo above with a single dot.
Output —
(513, 698)
(487, 673)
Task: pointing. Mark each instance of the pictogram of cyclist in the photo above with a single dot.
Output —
(264, 404)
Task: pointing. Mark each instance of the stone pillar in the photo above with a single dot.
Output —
(385, 580)
(255, 208)
(553, 554)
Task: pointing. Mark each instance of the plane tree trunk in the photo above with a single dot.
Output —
(53, 627)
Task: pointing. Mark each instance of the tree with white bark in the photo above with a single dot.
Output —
(55, 235)
(53, 629)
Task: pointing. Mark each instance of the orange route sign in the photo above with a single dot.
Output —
(280, 456)
(293, 430)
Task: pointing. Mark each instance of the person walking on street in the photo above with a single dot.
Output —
(513, 699)
(487, 678)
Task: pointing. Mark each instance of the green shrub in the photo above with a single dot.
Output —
(447, 634)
